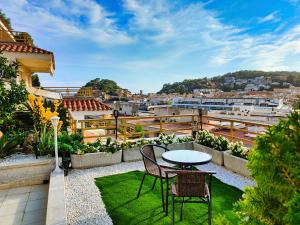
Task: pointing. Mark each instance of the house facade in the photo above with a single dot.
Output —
(19, 47)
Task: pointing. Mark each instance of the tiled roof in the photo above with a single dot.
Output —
(20, 47)
(23, 48)
(85, 105)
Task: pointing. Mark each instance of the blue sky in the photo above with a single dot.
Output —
(142, 44)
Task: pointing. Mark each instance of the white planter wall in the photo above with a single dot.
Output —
(97, 159)
(28, 173)
(217, 156)
(236, 164)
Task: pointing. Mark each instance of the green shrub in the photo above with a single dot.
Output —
(45, 142)
(220, 143)
(274, 164)
(69, 143)
(205, 138)
(7, 145)
(237, 149)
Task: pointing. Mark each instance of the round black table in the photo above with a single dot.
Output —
(186, 158)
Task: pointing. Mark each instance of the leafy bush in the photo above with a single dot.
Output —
(166, 139)
(69, 143)
(7, 145)
(205, 138)
(220, 143)
(113, 146)
(237, 149)
(184, 139)
(11, 94)
(274, 164)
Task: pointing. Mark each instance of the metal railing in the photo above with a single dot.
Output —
(152, 126)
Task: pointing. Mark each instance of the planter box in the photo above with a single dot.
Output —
(132, 154)
(97, 159)
(217, 156)
(181, 146)
(28, 173)
(236, 164)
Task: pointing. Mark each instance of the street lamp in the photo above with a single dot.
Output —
(116, 115)
(54, 121)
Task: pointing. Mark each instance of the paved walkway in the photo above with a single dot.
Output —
(24, 205)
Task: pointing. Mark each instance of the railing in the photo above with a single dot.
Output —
(125, 128)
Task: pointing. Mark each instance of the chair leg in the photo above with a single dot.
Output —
(209, 212)
(173, 209)
(138, 195)
(167, 197)
(181, 210)
(154, 183)
(162, 194)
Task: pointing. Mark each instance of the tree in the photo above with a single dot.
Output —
(105, 85)
(36, 81)
(275, 166)
(11, 93)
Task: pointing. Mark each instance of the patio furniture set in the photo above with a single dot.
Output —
(183, 181)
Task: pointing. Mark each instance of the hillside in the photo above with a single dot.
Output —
(235, 81)
(104, 85)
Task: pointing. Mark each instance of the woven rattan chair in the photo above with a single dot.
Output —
(154, 169)
(190, 184)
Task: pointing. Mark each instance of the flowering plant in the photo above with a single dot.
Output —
(41, 114)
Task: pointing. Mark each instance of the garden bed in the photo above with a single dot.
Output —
(97, 159)
(236, 164)
(217, 156)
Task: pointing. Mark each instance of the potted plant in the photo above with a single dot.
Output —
(211, 144)
(97, 154)
(235, 159)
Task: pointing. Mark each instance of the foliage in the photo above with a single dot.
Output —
(36, 81)
(275, 166)
(7, 145)
(62, 112)
(220, 143)
(184, 139)
(42, 114)
(5, 19)
(105, 85)
(205, 138)
(237, 149)
(188, 85)
(69, 143)
(45, 141)
(11, 93)
(166, 139)
(112, 146)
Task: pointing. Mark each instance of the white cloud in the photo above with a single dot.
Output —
(62, 18)
(272, 17)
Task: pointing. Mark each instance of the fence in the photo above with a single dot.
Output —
(126, 128)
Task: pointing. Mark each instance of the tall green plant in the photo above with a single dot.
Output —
(11, 93)
(45, 141)
(7, 144)
(275, 166)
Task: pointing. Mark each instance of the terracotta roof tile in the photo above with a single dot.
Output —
(23, 48)
(85, 105)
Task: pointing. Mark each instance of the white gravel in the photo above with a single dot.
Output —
(83, 199)
(19, 158)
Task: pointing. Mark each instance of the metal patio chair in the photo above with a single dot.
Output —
(189, 184)
(154, 169)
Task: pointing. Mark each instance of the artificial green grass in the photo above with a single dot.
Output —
(119, 195)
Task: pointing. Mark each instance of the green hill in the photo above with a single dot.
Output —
(188, 85)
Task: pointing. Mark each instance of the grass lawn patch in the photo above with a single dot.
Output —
(119, 195)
